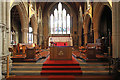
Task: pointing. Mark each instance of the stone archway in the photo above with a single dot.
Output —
(105, 28)
(16, 34)
(96, 17)
(102, 24)
(23, 19)
(46, 24)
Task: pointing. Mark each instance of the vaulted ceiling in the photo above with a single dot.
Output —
(74, 5)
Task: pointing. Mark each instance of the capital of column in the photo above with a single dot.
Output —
(2, 25)
(34, 33)
(7, 30)
(95, 30)
(85, 33)
(3, 28)
(0, 60)
(24, 30)
(40, 35)
(0, 57)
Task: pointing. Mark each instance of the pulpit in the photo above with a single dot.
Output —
(60, 53)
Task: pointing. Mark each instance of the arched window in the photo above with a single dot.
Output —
(30, 35)
(60, 21)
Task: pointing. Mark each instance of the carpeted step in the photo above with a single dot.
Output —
(61, 72)
(61, 77)
(62, 64)
(61, 68)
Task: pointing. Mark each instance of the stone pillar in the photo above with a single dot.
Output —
(80, 32)
(85, 37)
(0, 45)
(4, 27)
(96, 35)
(79, 44)
(0, 67)
(40, 33)
(16, 37)
(1, 25)
(40, 28)
(4, 33)
(24, 35)
(8, 34)
(115, 30)
(45, 42)
(34, 37)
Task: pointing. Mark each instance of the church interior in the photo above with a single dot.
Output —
(59, 40)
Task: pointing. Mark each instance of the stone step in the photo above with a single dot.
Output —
(92, 64)
(61, 72)
(25, 72)
(96, 72)
(27, 64)
(19, 68)
(23, 68)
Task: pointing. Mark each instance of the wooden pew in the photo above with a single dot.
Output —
(30, 52)
(14, 50)
(25, 52)
(82, 49)
(91, 52)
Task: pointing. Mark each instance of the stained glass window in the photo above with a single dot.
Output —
(68, 24)
(60, 21)
(55, 21)
(60, 18)
(52, 28)
(30, 35)
(64, 21)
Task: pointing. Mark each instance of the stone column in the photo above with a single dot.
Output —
(2, 34)
(0, 45)
(24, 35)
(8, 34)
(0, 67)
(96, 35)
(40, 28)
(115, 30)
(85, 37)
(80, 32)
(16, 37)
(35, 37)
(5, 47)
(4, 27)
(40, 33)
(1, 25)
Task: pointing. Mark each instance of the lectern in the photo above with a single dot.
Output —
(61, 53)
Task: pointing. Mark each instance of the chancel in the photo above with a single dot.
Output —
(59, 40)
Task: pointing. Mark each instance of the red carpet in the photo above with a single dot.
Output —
(69, 77)
(61, 69)
(73, 61)
(60, 44)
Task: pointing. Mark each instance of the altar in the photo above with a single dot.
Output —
(61, 53)
(60, 41)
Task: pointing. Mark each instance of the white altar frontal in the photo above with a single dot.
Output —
(66, 40)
